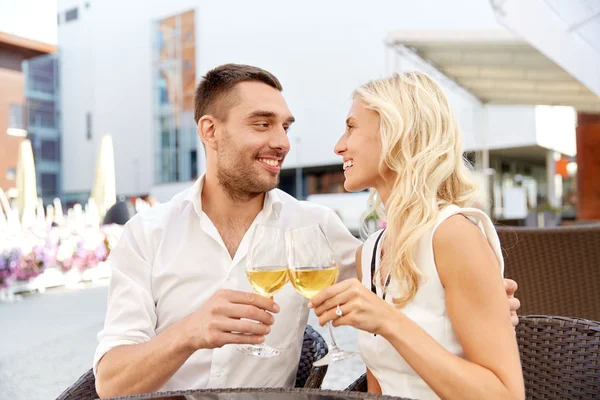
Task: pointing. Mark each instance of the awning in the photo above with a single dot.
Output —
(497, 67)
(566, 31)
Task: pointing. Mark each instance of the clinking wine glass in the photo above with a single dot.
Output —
(312, 268)
(267, 272)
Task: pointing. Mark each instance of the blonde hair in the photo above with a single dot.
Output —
(422, 145)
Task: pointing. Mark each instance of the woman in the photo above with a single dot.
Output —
(431, 306)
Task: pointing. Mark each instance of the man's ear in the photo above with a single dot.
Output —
(207, 127)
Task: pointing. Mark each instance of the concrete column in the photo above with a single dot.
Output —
(482, 160)
(553, 192)
(588, 165)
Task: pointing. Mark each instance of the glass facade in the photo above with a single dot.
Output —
(174, 72)
(15, 116)
(42, 119)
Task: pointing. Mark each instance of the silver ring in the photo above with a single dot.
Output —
(338, 311)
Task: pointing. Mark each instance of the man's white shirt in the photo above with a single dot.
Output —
(171, 259)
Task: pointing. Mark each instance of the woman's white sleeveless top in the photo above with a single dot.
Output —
(427, 309)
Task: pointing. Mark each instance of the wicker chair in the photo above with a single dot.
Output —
(557, 269)
(560, 358)
(359, 385)
(314, 348)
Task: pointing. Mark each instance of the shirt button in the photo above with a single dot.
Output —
(219, 372)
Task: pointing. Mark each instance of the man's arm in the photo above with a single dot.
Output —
(146, 367)
(142, 368)
(130, 357)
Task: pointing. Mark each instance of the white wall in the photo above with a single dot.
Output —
(320, 50)
(555, 128)
(77, 97)
(551, 127)
(164, 192)
(106, 69)
(509, 126)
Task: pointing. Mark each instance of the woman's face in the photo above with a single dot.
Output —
(361, 149)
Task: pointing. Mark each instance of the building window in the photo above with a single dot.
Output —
(11, 174)
(88, 125)
(42, 76)
(163, 92)
(174, 82)
(41, 114)
(33, 138)
(194, 163)
(15, 116)
(49, 150)
(49, 184)
(71, 15)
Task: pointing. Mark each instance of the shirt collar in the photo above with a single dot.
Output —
(272, 203)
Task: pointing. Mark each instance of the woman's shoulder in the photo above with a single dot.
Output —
(456, 224)
(456, 228)
(465, 232)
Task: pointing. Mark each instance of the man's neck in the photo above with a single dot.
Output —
(220, 206)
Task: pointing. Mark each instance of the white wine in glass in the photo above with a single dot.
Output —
(310, 281)
(312, 268)
(267, 273)
(267, 280)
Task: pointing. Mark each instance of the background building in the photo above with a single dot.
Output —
(131, 74)
(568, 32)
(28, 108)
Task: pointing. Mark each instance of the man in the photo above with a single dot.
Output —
(179, 293)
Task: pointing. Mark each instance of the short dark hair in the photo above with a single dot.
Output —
(213, 92)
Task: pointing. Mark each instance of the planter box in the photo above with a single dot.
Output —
(54, 277)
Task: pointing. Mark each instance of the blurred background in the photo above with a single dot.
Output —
(521, 78)
(96, 109)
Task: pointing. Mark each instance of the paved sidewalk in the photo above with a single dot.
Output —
(342, 373)
(48, 342)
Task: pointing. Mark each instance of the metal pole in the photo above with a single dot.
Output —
(299, 182)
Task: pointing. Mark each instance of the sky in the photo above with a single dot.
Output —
(32, 19)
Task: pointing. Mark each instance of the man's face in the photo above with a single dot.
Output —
(252, 143)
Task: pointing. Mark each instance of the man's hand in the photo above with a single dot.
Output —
(513, 303)
(230, 317)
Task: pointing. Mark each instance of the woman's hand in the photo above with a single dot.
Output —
(359, 307)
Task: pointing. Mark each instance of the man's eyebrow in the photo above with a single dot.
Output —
(268, 114)
(261, 113)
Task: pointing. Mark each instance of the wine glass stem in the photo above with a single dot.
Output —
(331, 338)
